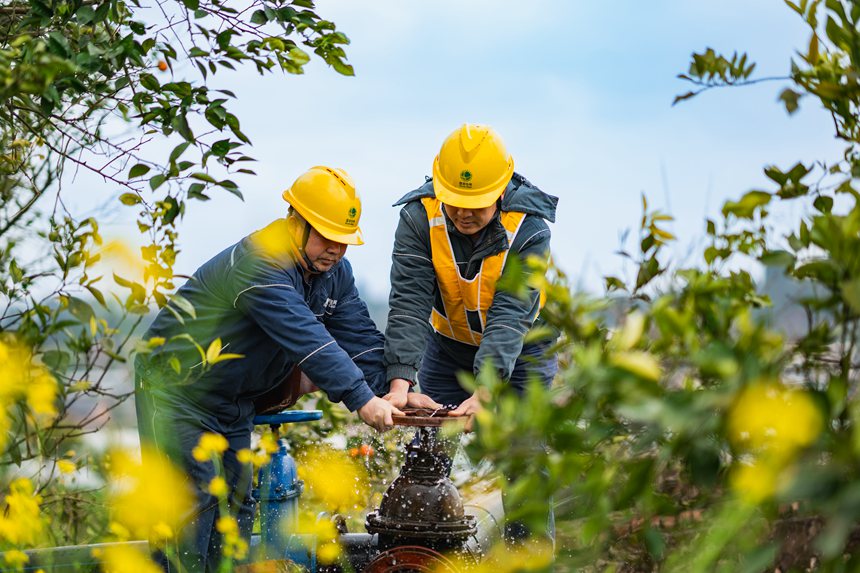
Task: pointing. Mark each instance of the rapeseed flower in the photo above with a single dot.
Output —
(769, 424)
(15, 558)
(232, 543)
(331, 476)
(209, 447)
(324, 533)
(23, 379)
(149, 500)
(768, 417)
(125, 559)
(66, 466)
(218, 487)
(21, 524)
(534, 555)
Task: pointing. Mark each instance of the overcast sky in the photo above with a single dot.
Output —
(581, 91)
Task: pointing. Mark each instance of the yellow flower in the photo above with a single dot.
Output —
(218, 487)
(16, 558)
(210, 447)
(770, 417)
(245, 456)
(66, 466)
(119, 531)
(22, 524)
(268, 443)
(126, 559)
(755, 482)
(42, 394)
(232, 543)
(324, 532)
(21, 378)
(328, 552)
(334, 478)
(534, 555)
(151, 500)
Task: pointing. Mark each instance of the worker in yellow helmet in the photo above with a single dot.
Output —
(284, 305)
(456, 234)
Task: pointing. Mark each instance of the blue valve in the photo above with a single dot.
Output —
(287, 417)
(278, 492)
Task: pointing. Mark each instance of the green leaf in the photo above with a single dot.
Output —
(300, 57)
(823, 203)
(191, 4)
(156, 181)
(778, 258)
(179, 150)
(203, 177)
(790, 99)
(149, 82)
(747, 205)
(851, 293)
(129, 199)
(259, 17)
(138, 170)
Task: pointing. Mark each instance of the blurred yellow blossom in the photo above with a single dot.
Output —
(232, 545)
(770, 417)
(268, 443)
(126, 559)
(23, 379)
(324, 533)
(151, 500)
(122, 259)
(210, 447)
(274, 239)
(16, 558)
(331, 476)
(218, 487)
(245, 456)
(530, 556)
(21, 524)
(756, 481)
(66, 466)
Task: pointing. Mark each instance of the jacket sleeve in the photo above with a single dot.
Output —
(269, 297)
(510, 317)
(355, 332)
(413, 288)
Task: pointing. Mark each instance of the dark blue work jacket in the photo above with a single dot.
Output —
(255, 299)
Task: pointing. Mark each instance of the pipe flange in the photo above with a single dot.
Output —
(464, 527)
(408, 559)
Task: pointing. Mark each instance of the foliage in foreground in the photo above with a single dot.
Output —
(686, 434)
(92, 86)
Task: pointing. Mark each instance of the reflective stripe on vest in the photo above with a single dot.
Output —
(458, 294)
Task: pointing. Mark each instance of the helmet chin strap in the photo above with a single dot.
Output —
(302, 243)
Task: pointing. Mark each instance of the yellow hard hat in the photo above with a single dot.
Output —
(325, 197)
(472, 168)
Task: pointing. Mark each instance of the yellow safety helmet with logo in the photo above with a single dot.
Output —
(325, 197)
(473, 168)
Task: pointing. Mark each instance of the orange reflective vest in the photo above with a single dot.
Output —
(460, 295)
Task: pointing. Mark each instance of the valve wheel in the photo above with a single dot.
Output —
(411, 559)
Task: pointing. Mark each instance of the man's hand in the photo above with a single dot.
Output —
(377, 414)
(469, 407)
(416, 400)
(398, 392)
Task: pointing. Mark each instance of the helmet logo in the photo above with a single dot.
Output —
(351, 219)
(466, 179)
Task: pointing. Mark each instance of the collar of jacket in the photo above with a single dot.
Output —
(521, 196)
